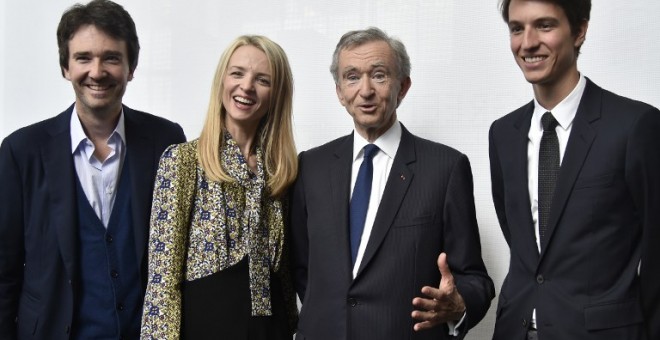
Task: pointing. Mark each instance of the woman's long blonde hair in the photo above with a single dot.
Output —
(275, 133)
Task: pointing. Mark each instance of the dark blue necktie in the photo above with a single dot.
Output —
(548, 172)
(360, 199)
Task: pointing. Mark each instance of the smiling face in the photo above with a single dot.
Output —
(369, 87)
(542, 44)
(98, 70)
(246, 88)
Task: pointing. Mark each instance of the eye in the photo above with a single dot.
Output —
(236, 74)
(81, 58)
(113, 59)
(515, 29)
(263, 81)
(545, 26)
(379, 77)
(352, 77)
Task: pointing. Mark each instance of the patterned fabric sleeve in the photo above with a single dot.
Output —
(170, 222)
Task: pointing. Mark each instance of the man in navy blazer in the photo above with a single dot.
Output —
(76, 193)
(584, 251)
(415, 271)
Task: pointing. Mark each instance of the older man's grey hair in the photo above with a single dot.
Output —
(360, 37)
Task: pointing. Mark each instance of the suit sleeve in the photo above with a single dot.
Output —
(643, 178)
(172, 201)
(463, 246)
(298, 231)
(497, 184)
(11, 240)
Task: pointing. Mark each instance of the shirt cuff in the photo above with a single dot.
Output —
(454, 326)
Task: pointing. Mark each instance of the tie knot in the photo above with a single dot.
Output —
(548, 121)
(370, 150)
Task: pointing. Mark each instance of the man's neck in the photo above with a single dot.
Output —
(549, 95)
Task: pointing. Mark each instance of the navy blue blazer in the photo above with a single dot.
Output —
(604, 219)
(427, 208)
(38, 218)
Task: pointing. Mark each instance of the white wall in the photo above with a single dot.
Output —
(463, 74)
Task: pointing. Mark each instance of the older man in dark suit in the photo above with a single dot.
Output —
(76, 192)
(380, 217)
(576, 185)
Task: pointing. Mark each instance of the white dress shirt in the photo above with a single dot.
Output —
(564, 113)
(99, 178)
(388, 144)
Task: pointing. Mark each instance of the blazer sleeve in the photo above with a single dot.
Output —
(497, 184)
(11, 240)
(170, 222)
(463, 246)
(642, 173)
(298, 231)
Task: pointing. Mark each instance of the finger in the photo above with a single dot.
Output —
(444, 267)
(425, 316)
(423, 325)
(435, 293)
(425, 304)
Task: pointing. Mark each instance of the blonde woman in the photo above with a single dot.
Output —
(217, 264)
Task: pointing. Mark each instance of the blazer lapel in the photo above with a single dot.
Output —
(515, 159)
(341, 183)
(395, 190)
(579, 142)
(60, 175)
(142, 163)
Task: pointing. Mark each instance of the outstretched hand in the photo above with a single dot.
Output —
(443, 304)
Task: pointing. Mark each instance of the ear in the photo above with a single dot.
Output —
(340, 95)
(130, 75)
(405, 86)
(65, 73)
(581, 35)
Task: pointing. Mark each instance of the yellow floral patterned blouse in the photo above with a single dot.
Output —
(200, 227)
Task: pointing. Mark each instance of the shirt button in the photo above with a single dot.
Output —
(540, 279)
(352, 302)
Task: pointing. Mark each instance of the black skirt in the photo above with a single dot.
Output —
(219, 307)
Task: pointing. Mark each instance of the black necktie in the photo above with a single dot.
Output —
(548, 171)
(360, 199)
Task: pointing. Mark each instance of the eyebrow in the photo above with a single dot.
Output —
(241, 68)
(537, 20)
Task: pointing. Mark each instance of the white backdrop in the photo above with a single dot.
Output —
(463, 74)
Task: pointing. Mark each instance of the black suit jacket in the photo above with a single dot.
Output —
(38, 218)
(427, 208)
(605, 218)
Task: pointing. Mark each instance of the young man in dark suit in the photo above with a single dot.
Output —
(576, 186)
(76, 193)
(384, 234)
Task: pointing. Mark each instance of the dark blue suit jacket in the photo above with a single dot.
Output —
(427, 208)
(604, 219)
(38, 218)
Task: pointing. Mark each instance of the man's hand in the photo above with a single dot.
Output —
(444, 303)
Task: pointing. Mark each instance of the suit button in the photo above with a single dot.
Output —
(540, 279)
(67, 329)
(352, 302)
(108, 238)
(524, 323)
(120, 307)
(114, 274)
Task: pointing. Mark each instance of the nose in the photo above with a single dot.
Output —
(530, 39)
(247, 84)
(366, 88)
(96, 69)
